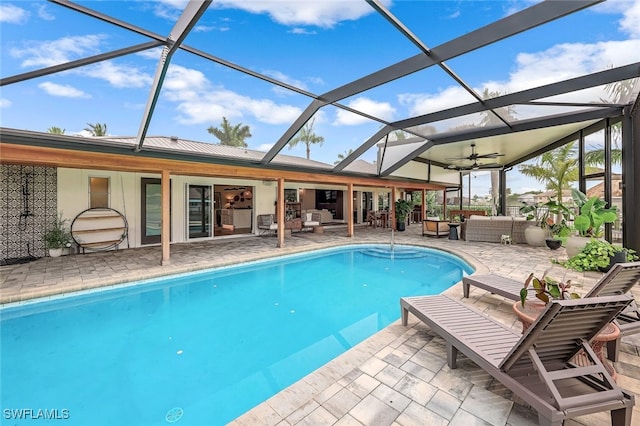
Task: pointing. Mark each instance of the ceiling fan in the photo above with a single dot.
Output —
(475, 166)
(475, 157)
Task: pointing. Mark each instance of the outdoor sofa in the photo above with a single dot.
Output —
(325, 215)
(490, 229)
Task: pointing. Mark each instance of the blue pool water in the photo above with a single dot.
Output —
(205, 347)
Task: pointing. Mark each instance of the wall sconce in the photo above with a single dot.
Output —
(248, 195)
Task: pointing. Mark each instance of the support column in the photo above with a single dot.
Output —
(423, 214)
(392, 209)
(280, 212)
(166, 217)
(350, 209)
(608, 227)
(502, 185)
(444, 200)
(631, 178)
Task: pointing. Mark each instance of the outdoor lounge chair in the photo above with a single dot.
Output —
(311, 220)
(535, 366)
(619, 280)
(266, 225)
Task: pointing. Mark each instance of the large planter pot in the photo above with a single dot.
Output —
(553, 244)
(535, 236)
(576, 244)
(400, 225)
(55, 252)
(528, 313)
(619, 257)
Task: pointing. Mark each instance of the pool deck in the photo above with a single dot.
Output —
(398, 376)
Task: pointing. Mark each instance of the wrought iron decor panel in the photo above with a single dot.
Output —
(29, 203)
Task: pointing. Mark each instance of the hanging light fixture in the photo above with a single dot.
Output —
(248, 194)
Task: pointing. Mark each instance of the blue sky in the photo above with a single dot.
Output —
(314, 45)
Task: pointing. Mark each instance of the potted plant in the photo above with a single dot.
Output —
(402, 210)
(57, 237)
(543, 214)
(599, 255)
(546, 289)
(592, 215)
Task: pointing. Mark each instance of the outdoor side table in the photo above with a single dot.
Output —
(453, 231)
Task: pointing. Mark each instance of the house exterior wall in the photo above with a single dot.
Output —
(125, 197)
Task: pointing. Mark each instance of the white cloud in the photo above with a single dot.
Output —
(200, 102)
(382, 110)
(12, 14)
(117, 75)
(62, 90)
(48, 53)
(569, 60)
(324, 14)
(534, 69)
(153, 54)
(630, 23)
(302, 31)
(424, 103)
(280, 76)
(43, 13)
(5, 103)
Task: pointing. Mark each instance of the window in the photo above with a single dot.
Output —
(98, 192)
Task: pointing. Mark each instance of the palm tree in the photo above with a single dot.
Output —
(231, 135)
(306, 136)
(342, 156)
(618, 92)
(56, 130)
(490, 119)
(97, 129)
(556, 169)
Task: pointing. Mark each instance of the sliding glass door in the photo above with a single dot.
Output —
(199, 211)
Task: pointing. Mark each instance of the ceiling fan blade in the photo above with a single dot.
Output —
(491, 155)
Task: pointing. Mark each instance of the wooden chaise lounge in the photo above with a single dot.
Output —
(535, 366)
(620, 279)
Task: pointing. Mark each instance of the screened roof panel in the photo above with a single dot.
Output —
(335, 53)
(452, 19)
(317, 49)
(422, 92)
(354, 129)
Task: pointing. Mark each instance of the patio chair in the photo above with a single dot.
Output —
(311, 220)
(619, 280)
(266, 224)
(536, 366)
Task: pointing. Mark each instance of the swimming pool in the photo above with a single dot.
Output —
(203, 348)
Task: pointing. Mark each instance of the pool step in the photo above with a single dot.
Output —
(396, 253)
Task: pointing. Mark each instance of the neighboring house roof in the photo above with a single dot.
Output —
(544, 196)
(598, 190)
(176, 144)
(362, 166)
